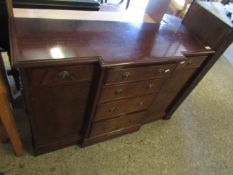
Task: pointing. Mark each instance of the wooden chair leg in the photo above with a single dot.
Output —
(2, 134)
(9, 124)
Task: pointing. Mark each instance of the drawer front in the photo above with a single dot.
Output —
(131, 89)
(162, 70)
(109, 110)
(60, 75)
(108, 126)
(139, 73)
(191, 62)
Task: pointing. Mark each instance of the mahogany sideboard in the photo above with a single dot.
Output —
(88, 81)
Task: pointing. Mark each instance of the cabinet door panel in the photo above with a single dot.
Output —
(58, 112)
(168, 93)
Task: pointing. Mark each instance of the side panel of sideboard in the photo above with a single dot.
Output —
(181, 78)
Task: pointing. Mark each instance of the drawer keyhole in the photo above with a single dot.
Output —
(64, 75)
(111, 110)
(149, 86)
(125, 75)
(189, 62)
(118, 92)
(141, 103)
(162, 70)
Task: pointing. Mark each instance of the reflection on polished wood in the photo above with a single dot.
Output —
(36, 39)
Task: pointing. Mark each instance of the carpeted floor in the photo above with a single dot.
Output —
(198, 140)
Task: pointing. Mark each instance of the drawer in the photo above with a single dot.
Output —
(191, 62)
(108, 126)
(109, 110)
(131, 89)
(162, 70)
(138, 73)
(60, 75)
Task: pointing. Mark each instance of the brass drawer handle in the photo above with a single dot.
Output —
(111, 110)
(64, 75)
(141, 103)
(149, 86)
(167, 70)
(125, 75)
(118, 92)
(182, 62)
(162, 70)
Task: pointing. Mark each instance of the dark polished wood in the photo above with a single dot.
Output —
(210, 30)
(112, 109)
(170, 90)
(220, 24)
(41, 4)
(131, 89)
(95, 80)
(143, 43)
(138, 73)
(57, 107)
(116, 124)
(93, 140)
(51, 76)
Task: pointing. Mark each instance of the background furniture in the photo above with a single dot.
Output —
(180, 7)
(218, 37)
(127, 3)
(56, 4)
(91, 5)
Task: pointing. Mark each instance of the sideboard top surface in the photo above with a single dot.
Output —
(36, 41)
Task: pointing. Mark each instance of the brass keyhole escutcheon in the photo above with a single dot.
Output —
(141, 103)
(64, 75)
(118, 92)
(125, 75)
(161, 70)
(189, 62)
(149, 86)
(111, 110)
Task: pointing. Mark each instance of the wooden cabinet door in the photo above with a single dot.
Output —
(58, 113)
(168, 93)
